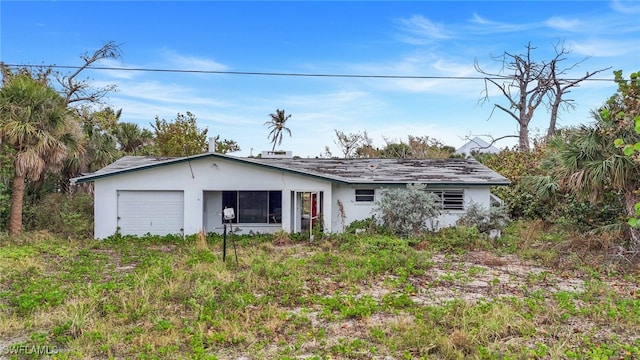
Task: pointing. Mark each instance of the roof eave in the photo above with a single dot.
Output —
(326, 177)
(434, 183)
(94, 176)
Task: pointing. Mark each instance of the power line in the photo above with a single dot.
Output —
(289, 74)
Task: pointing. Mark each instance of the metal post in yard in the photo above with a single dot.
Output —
(224, 244)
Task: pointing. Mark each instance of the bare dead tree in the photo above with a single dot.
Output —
(75, 90)
(532, 84)
(560, 87)
(525, 89)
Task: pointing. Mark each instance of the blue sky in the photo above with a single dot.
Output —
(417, 38)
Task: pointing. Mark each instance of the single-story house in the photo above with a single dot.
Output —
(137, 195)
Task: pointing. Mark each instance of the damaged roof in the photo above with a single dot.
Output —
(350, 171)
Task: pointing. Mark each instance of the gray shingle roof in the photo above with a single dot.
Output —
(353, 171)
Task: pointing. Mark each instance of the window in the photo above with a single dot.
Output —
(365, 195)
(450, 199)
(256, 207)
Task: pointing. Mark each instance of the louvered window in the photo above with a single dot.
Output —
(365, 195)
(450, 199)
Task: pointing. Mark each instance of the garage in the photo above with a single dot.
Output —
(150, 212)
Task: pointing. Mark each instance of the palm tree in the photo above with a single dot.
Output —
(36, 123)
(586, 161)
(132, 139)
(277, 125)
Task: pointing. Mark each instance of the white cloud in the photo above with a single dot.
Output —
(421, 30)
(489, 26)
(605, 47)
(164, 92)
(563, 24)
(626, 7)
(190, 62)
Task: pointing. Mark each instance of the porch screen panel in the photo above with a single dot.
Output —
(275, 207)
(252, 207)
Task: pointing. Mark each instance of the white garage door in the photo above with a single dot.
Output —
(153, 212)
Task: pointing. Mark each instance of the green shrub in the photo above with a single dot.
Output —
(68, 216)
(458, 239)
(367, 225)
(408, 212)
(485, 220)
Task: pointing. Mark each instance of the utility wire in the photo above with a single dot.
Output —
(290, 74)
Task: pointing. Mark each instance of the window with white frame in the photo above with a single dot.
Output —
(365, 195)
(452, 199)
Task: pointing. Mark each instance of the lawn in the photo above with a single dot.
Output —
(454, 295)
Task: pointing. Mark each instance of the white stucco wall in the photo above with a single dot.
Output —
(352, 210)
(202, 179)
(197, 177)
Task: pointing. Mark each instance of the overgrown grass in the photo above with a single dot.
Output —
(342, 296)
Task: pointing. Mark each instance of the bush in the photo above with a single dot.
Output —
(367, 225)
(69, 216)
(485, 220)
(408, 212)
(457, 239)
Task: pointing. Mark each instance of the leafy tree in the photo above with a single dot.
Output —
(626, 102)
(180, 137)
(277, 124)
(358, 145)
(396, 150)
(417, 147)
(348, 143)
(420, 147)
(225, 146)
(516, 165)
(424, 147)
(35, 122)
(366, 149)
